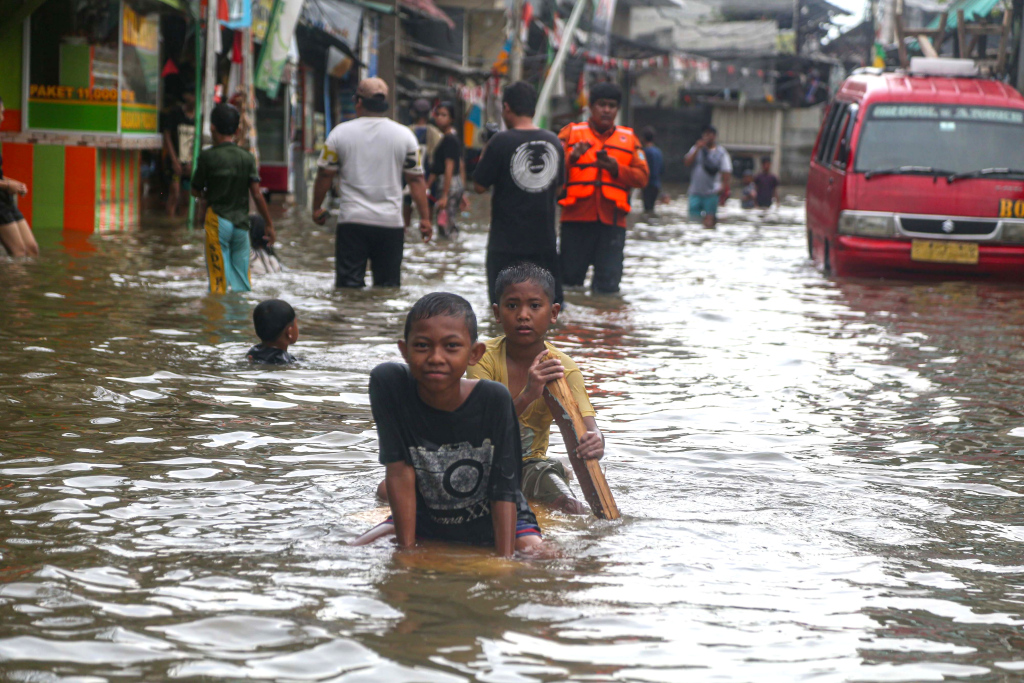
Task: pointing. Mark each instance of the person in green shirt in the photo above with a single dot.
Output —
(225, 177)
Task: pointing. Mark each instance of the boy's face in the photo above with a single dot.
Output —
(766, 166)
(438, 351)
(525, 313)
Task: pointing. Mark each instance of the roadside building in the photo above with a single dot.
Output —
(82, 87)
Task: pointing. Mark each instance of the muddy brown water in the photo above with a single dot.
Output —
(819, 479)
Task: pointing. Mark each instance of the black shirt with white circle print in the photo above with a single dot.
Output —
(526, 168)
(464, 459)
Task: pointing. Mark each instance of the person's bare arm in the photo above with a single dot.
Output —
(449, 171)
(172, 153)
(479, 189)
(324, 178)
(400, 480)
(261, 206)
(726, 189)
(503, 515)
(692, 154)
(418, 190)
(540, 373)
(588, 447)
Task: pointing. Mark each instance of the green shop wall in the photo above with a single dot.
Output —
(10, 77)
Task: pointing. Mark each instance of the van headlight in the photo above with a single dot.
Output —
(1013, 231)
(867, 224)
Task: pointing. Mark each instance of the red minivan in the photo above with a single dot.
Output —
(919, 173)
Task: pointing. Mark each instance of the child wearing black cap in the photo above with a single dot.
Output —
(278, 328)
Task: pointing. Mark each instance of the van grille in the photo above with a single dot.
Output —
(933, 226)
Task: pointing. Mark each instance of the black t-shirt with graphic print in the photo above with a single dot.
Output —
(526, 168)
(464, 459)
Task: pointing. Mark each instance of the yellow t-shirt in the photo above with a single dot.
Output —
(535, 422)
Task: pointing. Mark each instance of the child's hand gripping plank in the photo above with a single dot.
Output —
(583, 451)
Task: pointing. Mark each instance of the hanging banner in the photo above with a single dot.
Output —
(261, 11)
(600, 42)
(235, 14)
(280, 35)
(338, 19)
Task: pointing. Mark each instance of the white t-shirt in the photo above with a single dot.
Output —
(370, 154)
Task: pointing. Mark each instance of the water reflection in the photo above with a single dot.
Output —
(818, 478)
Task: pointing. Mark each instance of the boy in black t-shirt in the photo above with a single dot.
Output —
(277, 328)
(451, 445)
(526, 167)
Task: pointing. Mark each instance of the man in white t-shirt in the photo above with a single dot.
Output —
(371, 153)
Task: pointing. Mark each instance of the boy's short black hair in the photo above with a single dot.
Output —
(442, 303)
(225, 119)
(521, 98)
(606, 91)
(447, 106)
(271, 317)
(766, 160)
(648, 134)
(709, 129)
(524, 271)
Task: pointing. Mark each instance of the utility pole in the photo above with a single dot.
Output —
(515, 70)
(796, 27)
(540, 118)
(388, 53)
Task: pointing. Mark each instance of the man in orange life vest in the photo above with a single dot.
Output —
(604, 163)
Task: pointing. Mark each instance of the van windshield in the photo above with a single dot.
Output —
(953, 138)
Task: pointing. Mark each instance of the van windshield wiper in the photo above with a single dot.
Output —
(905, 170)
(953, 177)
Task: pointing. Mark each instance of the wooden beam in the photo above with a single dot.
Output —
(927, 49)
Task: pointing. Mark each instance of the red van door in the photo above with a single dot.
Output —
(819, 192)
(827, 183)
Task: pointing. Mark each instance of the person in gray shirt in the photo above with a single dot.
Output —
(709, 181)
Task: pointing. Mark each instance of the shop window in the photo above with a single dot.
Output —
(78, 75)
(140, 70)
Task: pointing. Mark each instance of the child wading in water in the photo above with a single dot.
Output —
(278, 328)
(450, 445)
(519, 360)
(226, 177)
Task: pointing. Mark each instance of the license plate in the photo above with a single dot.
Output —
(944, 252)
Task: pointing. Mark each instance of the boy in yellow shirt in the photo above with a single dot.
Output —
(525, 292)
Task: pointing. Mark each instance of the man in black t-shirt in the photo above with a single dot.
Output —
(526, 167)
(451, 445)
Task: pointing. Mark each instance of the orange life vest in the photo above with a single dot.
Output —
(585, 177)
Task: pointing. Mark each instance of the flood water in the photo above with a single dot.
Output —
(819, 479)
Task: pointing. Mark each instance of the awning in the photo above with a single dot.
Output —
(338, 19)
(428, 9)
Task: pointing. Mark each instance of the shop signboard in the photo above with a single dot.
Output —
(84, 71)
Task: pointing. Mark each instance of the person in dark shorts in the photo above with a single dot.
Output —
(767, 184)
(178, 130)
(524, 167)
(519, 359)
(604, 163)
(371, 154)
(450, 444)
(15, 233)
(656, 165)
(225, 177)
(278, 328)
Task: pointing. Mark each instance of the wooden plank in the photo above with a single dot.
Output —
(901, 43)
(588, 472)
(926, 47)
(961, 34)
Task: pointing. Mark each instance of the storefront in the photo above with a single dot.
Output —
(83, 102)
